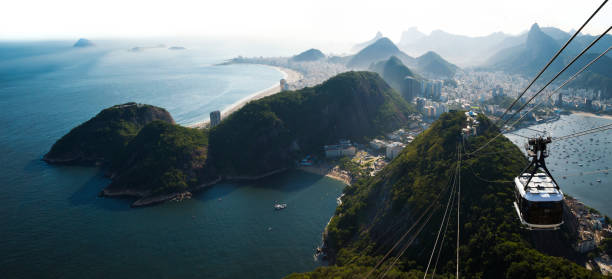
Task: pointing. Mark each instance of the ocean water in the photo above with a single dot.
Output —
(593, 151)
(53, 225)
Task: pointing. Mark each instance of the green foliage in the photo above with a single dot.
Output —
(376, 211)
(102, 138)
(273, 132)
(162, 158)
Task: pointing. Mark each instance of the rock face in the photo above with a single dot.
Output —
(83, 43)
(271, 133)
(101, 139)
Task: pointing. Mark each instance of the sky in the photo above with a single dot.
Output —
(307, 20)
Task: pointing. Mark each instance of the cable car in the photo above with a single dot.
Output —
(539, 200)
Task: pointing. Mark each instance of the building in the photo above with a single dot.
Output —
(344, 148)
(420, 103)
(393, 149)
(215, 118)
(411, 88)
(471, 128)
(284, 86)
(377, 144)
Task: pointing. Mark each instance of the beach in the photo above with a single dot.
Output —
(583, 113)
(325, 170)
(289, 75)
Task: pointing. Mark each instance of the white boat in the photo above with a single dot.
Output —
(280, 206)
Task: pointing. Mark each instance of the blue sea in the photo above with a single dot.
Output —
(578, 164)
(53, 225)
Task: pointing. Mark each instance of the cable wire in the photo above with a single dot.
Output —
(559, 88)
(553, 59)
(558, 74)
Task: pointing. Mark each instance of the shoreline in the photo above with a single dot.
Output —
(584, 113)
(289, 75)
(325, 172)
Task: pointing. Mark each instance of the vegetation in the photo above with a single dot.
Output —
(102, 138)
(435, 65)
(163, 158)
(273, 132)
(377, 210)
(394, 72)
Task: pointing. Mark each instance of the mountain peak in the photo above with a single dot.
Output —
(534, 28)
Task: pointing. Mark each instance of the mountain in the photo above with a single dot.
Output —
(272, 133)
(162, 162)
(375, 212)
(394, 72)
(309, 55)
(103, 137)
(358, 47)
(83, 43)
(411, 36)
(529, 57)
(462, 50)
(433, 65)
(382, 49)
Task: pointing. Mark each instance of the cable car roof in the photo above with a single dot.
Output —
(541, 188)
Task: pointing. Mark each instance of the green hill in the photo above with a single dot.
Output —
(394, 72)
(309, 55)
(433, 64)
(376, 211)
(103, 137)
(162, 159)
(273, 132)
(382, 49)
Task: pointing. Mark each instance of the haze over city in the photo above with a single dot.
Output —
(323, 22)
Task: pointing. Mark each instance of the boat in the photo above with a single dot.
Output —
(280, 206)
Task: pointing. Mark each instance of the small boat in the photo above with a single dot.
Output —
(598, 180)
(280, 206)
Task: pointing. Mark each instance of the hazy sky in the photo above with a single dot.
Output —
(309, 20)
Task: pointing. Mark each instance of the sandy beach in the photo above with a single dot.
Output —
(289, 75)
(609, 117)
(327, 171)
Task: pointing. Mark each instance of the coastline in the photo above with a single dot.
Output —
(323, 171)
(584, 113)
(289, 75)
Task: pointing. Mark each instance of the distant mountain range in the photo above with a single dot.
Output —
(463, 50)
(430, 64)
(381, 49)
(358, 47)
(529, 57)
(468, 51)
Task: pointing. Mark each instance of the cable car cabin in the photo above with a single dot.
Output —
(540, 203)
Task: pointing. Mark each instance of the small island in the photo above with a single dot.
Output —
(177, 48)
(82, 42)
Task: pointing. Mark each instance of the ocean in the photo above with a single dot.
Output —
(53, 225)
(578, 163)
